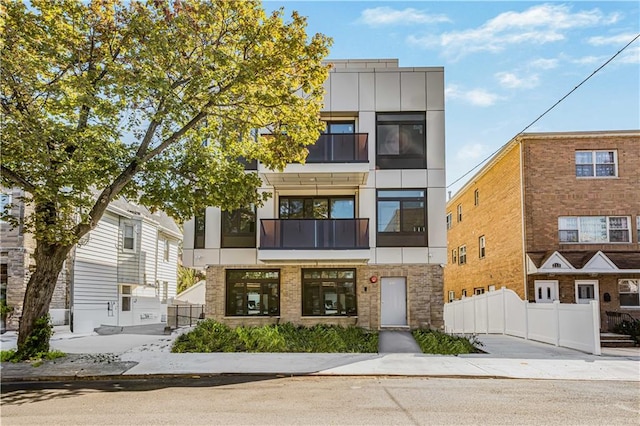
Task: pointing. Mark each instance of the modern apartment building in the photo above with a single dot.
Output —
(552, 216)
(356, 235)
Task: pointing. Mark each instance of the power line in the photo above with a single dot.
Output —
(545, 113)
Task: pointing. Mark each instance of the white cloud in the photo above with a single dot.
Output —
(476, 97)
(589, 60)
(474, 151)
(387, 16)
(618, 40)
(511, 81)
(539, 24)
(544, 64)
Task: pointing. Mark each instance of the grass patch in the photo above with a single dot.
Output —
(37, 359)
(212, 336)
(437, 342)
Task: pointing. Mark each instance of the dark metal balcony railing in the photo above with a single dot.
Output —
(314, 234)
(339, 148)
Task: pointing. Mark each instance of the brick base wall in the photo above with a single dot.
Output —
(424, 296)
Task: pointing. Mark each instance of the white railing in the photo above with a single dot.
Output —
(575, 326)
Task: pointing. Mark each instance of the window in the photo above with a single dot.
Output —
(402, 218)
(166, 251)
(449, 221)
(125, 293)
(596, 164)
(478, 290)
(628, 292)
(459, 212)
(586, 291)
(5, 200)
(253, 292)
(462, 251)
(638, 229)
(129, 237)
(594, 229)
(165, 292)
(239, 228)
(328, 292)
(401, 140)
(317, 207)
(454, 256)
(199, 229)
(464, 293)
(481, 246)
(476, 198)
(452, 295)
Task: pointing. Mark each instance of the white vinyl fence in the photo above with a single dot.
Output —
(575, 326)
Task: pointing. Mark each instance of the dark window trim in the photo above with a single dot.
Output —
(199, 234)
(262, 281)
(402, 161)
(238, 239)
(316, 197)
(402, 239)
(336, 281)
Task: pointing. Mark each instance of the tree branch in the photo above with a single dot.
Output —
(19, 180)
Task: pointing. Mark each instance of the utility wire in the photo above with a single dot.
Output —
(545, 113)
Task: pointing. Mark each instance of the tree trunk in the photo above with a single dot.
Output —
(49, 262)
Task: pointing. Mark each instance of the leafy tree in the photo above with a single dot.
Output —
(155, 101)
(187, 277)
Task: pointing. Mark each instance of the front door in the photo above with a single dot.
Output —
(586, 291)
(394, 302)
(546, 291)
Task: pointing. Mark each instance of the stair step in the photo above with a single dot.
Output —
(617, 343)
(614, 336)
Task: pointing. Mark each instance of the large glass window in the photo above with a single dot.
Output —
(594, 229)
(129, 238)
(402, 218)
(239, 228)
(462, 257)
(317, 207)
(253, 292)
(328, 292)
(628, 292)
(596, 163)
(401, 140)
(199, 230)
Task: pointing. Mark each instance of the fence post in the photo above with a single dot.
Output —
(556, 316)
(526, 319)
(486, 305)
(504, 311)
(595, 314)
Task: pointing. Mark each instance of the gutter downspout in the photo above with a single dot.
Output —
(523, 227)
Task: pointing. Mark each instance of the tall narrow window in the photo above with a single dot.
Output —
(449, 221)
(166, 251)
(452, 295)
(125, 292)
(476, 198)
(129, 237)
(462, 252)
(199, 230)
(454, 256)
(401, 140)
(459, 212)
(464, 293)
(481, 246)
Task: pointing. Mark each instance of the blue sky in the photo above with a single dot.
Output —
(505, 62)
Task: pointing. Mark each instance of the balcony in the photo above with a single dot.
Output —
(335, 159)
(314, 239)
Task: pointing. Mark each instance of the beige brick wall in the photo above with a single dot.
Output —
(552, 189)
(498, 217)
(424, 294)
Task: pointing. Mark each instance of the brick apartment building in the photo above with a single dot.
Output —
(355, 236)
(552, 216)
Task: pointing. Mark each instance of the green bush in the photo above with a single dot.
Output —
(10, 356)
(212, 336)
(436, 342)
(631, 328)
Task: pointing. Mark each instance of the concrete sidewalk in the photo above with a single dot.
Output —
(135, 355)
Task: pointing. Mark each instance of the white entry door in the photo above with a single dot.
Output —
(546, 291)
(586, 291)
(394, 302)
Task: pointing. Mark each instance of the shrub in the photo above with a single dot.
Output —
(631, 328)
(436, 342)
(211, 336)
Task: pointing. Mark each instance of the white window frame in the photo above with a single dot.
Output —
(581, 237)
(594, 163)
(449, 221)
(478, 291)
(124, 237)
(459, 211)
(454, 256)
(462, 255)
(464, 293)
(166, 250)
(5, 200)
(126, 292)
(476, 197)
(596, 290)
(452, 295)
(634, 281)
(482, 247)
